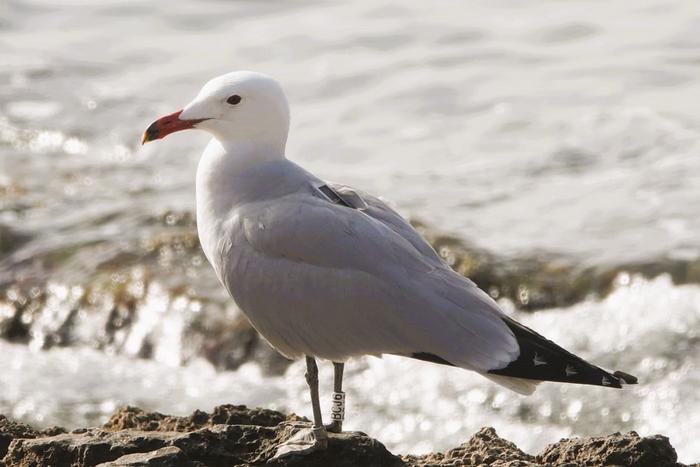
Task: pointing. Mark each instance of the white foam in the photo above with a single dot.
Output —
(647, 328)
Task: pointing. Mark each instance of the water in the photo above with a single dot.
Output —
(413, 406)
(521, 126)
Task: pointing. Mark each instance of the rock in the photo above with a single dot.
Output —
(484, 448)
(101, 295)
(548, 279)
(10, 430)
(102, 313)
(163, 457)
(238, 436)
(624, 449)
(10, 239)
(90, 447)
(134, 418)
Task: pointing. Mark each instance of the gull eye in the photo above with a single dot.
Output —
(233, 100)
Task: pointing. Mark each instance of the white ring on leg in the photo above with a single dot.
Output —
(338, 407)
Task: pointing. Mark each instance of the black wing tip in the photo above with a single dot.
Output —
(625, 378)
(543, 360)
(429, 357)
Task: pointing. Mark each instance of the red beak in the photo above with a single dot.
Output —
(166, 125)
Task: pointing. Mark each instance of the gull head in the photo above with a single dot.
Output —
(242, 106)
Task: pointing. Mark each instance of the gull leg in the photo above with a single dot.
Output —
(306, 441)
(338, 408)
(312, 381)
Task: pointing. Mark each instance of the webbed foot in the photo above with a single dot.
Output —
(305, 441)
(334, 427)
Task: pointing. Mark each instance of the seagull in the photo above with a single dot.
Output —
(326, 271)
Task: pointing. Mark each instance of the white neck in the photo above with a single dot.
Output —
(219, 172)
(223, 162)
(239, 155)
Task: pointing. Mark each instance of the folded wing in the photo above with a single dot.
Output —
(358, 281)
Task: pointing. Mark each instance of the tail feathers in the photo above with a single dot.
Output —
(543, 360)
(519, 385)
(625, 378)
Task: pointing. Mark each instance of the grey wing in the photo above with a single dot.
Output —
(376, 208)
(323, 279)
(523, 372)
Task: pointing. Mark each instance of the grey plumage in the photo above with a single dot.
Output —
(326, 271)
(318, 278)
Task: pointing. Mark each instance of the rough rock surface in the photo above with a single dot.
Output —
(238, 436)
(10, 430)
(483, 448)
(616, 449)
(162, 457)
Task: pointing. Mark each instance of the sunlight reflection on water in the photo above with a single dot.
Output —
(411, 406)
(522, 126)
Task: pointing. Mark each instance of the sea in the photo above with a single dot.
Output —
(527, 129)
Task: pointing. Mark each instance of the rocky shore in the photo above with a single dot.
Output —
(238, 436)
(104, 297)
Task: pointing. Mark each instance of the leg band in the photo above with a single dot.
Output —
(338, 407)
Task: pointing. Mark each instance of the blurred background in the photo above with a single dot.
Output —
(549, 150)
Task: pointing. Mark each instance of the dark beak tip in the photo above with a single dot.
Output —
(146, 138)
(150, 134)
(167, 125)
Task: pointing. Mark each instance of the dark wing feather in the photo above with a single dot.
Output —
(334, 197)
(543, 360)
(429, 357)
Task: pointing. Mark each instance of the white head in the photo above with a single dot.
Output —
(239, 107)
